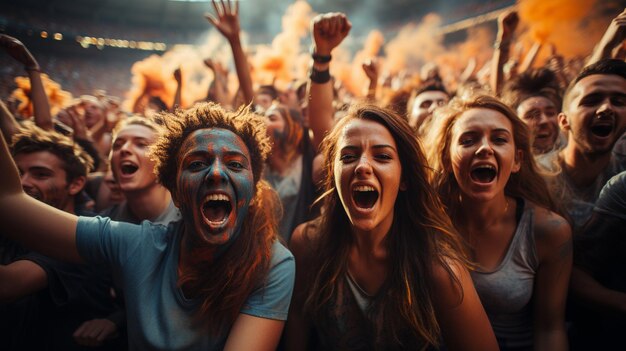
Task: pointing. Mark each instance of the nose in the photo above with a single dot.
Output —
(363, 168)
(484, 148)
(26, 181)
(125, 148)
(605, 108)
(216, 173)
(543, 118)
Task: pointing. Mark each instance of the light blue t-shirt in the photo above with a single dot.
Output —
(144, 260)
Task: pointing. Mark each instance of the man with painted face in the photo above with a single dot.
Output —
(46, 300)
(594, 119)
(218, 279)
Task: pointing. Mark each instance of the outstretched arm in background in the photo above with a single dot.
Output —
(370, 67)
(218, 91)
(328, 30)
(179, 89)
(507, 23)
(614, 35)
(226, 20)
(8, 124)
(20, 53)
(530, 57)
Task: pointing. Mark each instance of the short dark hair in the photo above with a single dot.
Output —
(605, 67)
(535, 82)
(30, 139)
(268, 90)
(431, 85)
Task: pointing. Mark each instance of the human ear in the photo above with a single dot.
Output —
(563, 122)
(76, 185)
(402, 184)
(517, 164)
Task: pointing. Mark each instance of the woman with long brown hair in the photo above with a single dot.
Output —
(382, 267)
(487, 178)
(216, 280)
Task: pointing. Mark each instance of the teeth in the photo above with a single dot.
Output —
(364, 188)
(127, 163)
(485, 167)
(218, 197)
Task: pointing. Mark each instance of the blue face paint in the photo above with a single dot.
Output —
(215, 185)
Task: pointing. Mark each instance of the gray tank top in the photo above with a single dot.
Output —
(506, 292)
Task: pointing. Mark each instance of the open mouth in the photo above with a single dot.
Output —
(216, 209)
(542, 136)
(483, 174)
(128, 168)
(602, 130)
(364, 196)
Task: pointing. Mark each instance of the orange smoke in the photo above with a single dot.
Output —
(573, 27)
(414, 45)
(153, 76)
(280, 62)
(57, 97)
(350, 73)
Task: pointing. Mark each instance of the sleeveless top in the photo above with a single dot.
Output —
(506, 292)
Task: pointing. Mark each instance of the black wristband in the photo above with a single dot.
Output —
(321, 58)
(319, 77)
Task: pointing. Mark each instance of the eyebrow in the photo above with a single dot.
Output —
(204, 152)
(377, 146)
(39, 169)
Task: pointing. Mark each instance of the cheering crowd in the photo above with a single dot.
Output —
(414, 218)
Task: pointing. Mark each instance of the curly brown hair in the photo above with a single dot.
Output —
(76, 161)
(222, 286)
(179, 124)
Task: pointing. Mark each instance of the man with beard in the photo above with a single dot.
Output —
(594, 119)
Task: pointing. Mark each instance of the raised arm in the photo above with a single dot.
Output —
(8, 124)
(370, 67)
(38, 96)
(219, 89)
(530, 57)
(179, 89)
(328, 30)
(553, 238)
(30, 222)
(226, 20)
(507, 23)
(614, 36)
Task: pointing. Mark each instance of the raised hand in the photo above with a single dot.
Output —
(329, 30)
(18, 51)
(226, 18)
(507, 23)
(177, 75)
(370, 67)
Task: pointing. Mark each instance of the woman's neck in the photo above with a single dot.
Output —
(476, 215)
(278, 161)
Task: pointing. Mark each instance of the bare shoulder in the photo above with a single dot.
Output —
(449, 280)
(552, 233)
(304, 239)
